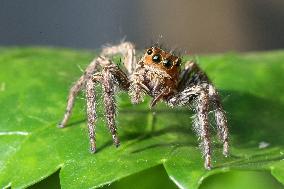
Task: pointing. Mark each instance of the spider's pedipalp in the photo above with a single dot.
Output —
(136, 91)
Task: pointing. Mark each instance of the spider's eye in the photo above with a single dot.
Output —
(149, 51)
(167, 63)
(156, 58)
(178, 62)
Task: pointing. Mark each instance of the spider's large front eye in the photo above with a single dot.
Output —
(156, 58)
(149, 51)
(167, 63)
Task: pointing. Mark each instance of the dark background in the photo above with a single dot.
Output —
(194, 26)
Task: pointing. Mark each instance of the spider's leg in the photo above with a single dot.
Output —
(91, 112)
(202, 109)
(198, 94)
(127, 50)
(191, 74)
(110, 76)
(220, 118)
(76, 88)
(71, 99)
(108, 80)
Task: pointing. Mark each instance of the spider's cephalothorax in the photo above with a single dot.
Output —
(159, 75)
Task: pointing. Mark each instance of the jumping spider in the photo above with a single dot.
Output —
(159, 75)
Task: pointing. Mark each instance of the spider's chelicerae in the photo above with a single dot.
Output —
(157, 74)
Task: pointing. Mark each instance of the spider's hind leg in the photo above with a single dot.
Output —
(127, 50)
(76, 88)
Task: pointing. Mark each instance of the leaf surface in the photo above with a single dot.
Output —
(34, 84)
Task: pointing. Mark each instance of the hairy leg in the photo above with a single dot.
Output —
(93, 66)
(109, 102)
(91, 112)
(220, 118)
(109, 76)
(200, 98)
(202, 126)
(191, 74)
(127, 50)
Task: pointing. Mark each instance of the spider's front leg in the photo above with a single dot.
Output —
(127, 50)
(220, 117)
(193, 74)
(136, 87)
(202, 125)
(201, 101)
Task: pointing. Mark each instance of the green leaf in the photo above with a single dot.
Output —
(34, 84)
